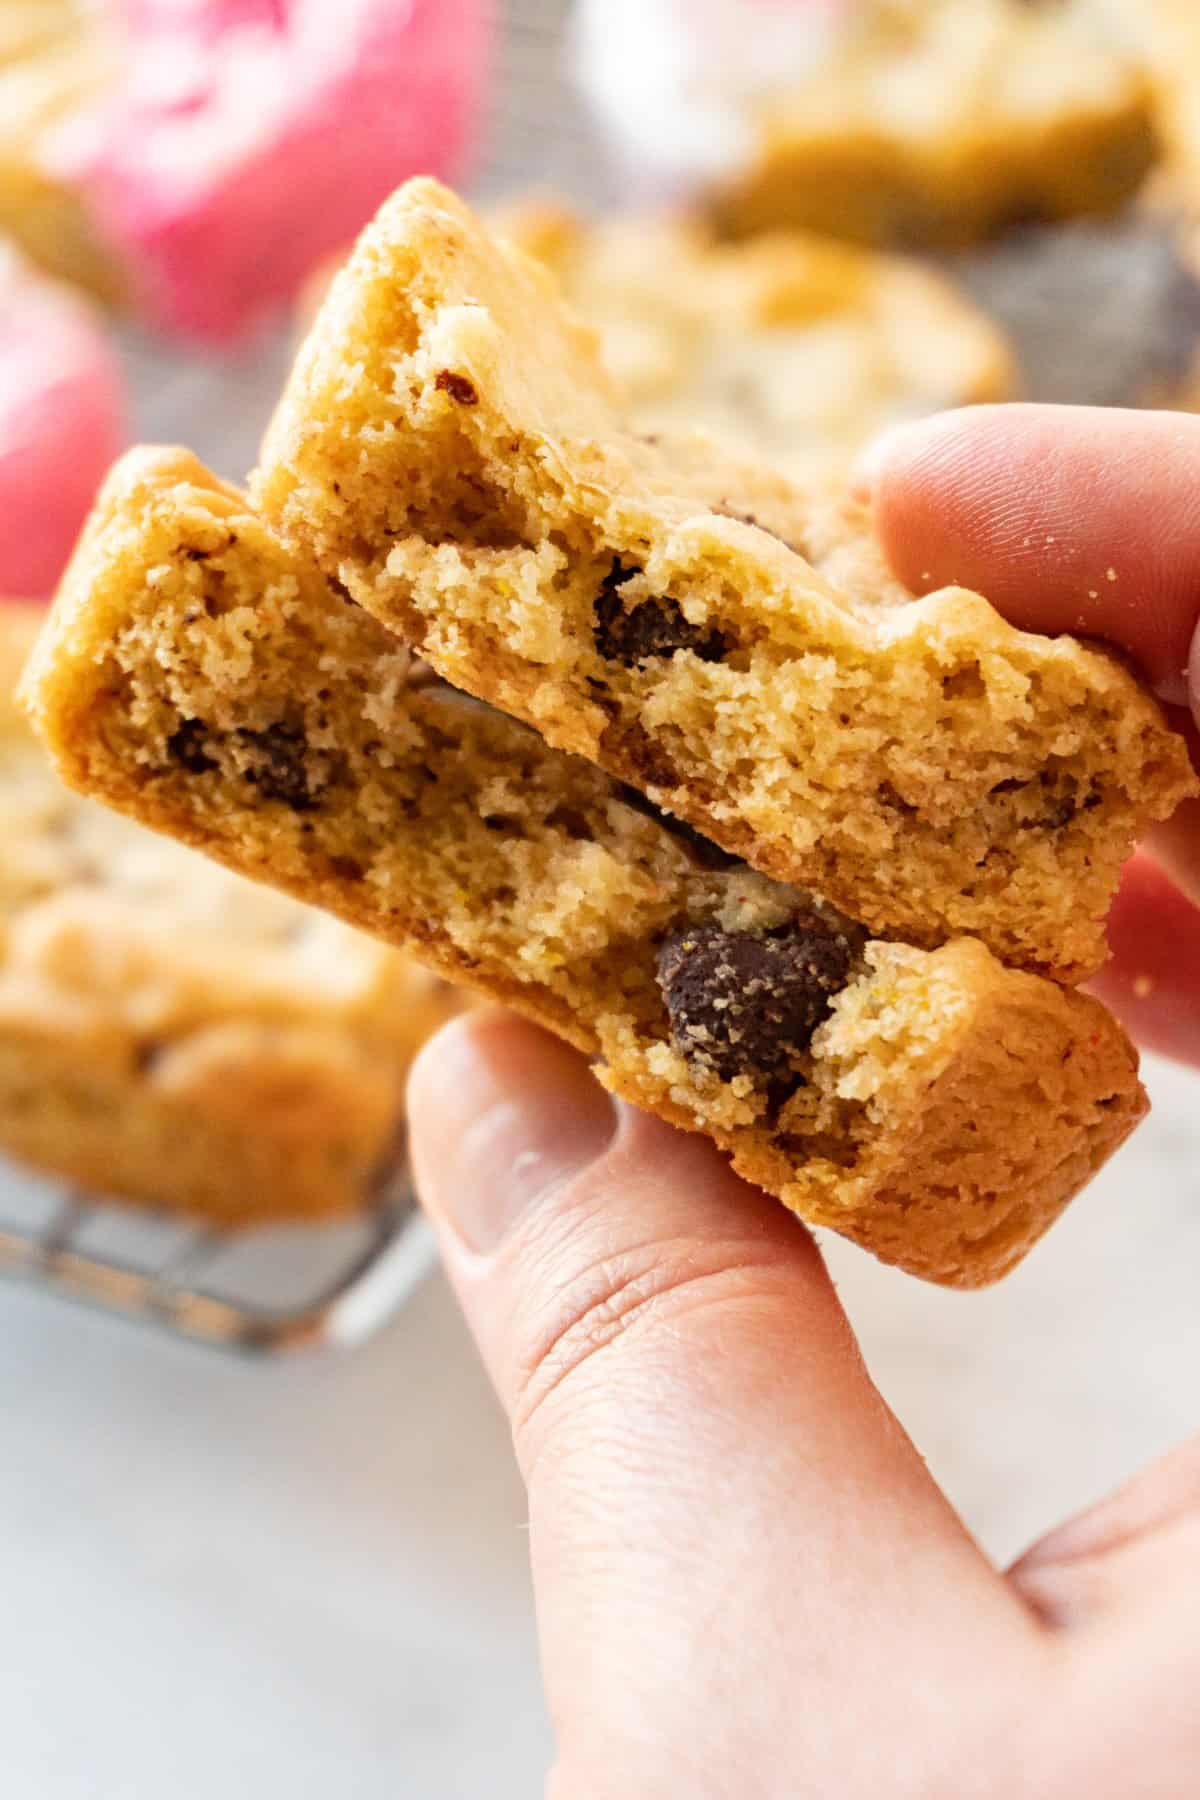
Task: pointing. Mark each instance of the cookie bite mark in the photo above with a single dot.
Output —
(747, 1003)
(648, 628)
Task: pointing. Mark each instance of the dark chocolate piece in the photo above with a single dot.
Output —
(651, 628)
(188, 747)
(457, 386)
(277, 766)
(747, 1003)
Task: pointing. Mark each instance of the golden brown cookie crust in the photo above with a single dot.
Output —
(200, 676)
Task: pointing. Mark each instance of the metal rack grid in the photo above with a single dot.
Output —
(262, 1292)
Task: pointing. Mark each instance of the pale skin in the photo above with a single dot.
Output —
(748, 1585)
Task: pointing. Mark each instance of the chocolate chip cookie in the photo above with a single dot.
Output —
(935, 1106)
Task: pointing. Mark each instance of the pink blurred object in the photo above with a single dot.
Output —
(61, 419)
(249, 140)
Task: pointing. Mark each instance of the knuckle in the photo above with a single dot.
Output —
(649, 1289)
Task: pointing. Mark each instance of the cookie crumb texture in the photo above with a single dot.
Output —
(726, 642)
(940, 122)
(172, 1035)
(872, 1085)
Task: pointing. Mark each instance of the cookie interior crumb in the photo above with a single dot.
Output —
(199, 675)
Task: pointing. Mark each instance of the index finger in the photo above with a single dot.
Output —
(1079, 519)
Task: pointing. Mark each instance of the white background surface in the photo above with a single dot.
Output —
(221, 1578)
(309, 1579)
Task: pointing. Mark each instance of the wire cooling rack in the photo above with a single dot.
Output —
(264, 1292)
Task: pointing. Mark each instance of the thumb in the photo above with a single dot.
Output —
(1069, 518)
(711, 1474)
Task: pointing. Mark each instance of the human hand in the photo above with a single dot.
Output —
(748, 1585)
(1085, 520)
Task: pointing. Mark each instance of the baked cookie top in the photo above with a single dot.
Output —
(794, 346)
(939, 120)
(451, 451)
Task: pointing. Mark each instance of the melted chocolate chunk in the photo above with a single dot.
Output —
(651, 628)
(707, 854)
(188, 747)
(277, 767)
(741, 1003)
(457, 386)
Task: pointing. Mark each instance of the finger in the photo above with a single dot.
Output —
(708, 1462)
(1100, 1558)
(1075, 519)
(1175, 843)
(1153, 980)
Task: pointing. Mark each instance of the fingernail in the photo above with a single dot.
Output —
(501, 1115)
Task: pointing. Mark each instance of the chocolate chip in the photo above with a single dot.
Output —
(707, 854)
(645, 757)
(276, 764)
(457, 386)
(345, 868)
(188, 747)
(651, 628)
(274, 760)
(570, 820)
(746, 1003)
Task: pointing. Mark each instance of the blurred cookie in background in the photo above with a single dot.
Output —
(62, 408)
(174, 1035)
(57, 57)
(795, 347)
(916, 123)
(1164, 36)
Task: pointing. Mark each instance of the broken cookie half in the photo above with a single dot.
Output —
(450, 451)
(935, 1106)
